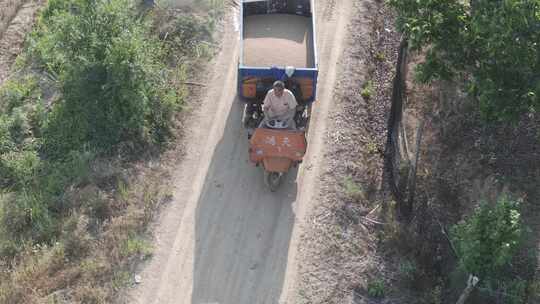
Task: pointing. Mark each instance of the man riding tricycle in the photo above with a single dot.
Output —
(278, 141)
(277, 80)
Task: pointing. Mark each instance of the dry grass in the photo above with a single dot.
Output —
(100, 244)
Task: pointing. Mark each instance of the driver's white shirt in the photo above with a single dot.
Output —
(279, 106)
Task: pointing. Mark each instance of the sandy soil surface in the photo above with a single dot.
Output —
(340, 240)
(12, 38)
(278, 40)
(225, 238)
(8, 10)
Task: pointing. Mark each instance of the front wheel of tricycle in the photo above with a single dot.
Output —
(272, 180)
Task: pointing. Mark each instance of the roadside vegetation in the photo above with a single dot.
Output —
(477, 85)
(492, 46)
(95, 97)
(411, 214)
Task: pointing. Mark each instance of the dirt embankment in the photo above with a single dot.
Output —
(16, 20)
(340, 244)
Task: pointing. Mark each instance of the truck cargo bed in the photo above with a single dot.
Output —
(278, 40)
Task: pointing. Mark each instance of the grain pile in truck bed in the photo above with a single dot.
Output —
(278, 40)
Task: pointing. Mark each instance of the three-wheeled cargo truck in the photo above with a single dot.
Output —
(277, 43)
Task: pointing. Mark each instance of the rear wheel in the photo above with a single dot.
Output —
(303, 117)
(308, 117)
(272, 180)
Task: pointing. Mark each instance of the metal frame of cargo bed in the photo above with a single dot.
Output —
(245, 71)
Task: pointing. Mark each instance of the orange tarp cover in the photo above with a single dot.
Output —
(267, 143)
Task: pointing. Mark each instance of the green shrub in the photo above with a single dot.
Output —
(6, 142)
(16, 93)
(435, 295)
(515, 291)
(37, 117)
(379, 56)
(19, 126)
(372, 147)
(367, 90)
(120, 280)
(408, 270)
(19, 168)
(17, 97)
(135, 245)
(111, 74)
(353, 189)
(32, 211)
(56, 176)
(75, 239)
(8, 247)
(97, 207)
(376, 288)
(19, 160)
(487, 240)
(186, 34)
(26, 216)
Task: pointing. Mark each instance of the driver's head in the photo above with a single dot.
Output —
(278, 86)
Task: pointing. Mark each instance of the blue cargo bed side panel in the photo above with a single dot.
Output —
(278, 74)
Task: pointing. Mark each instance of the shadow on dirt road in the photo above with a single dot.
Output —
(242, 230)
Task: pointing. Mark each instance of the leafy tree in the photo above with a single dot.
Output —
(495, 45)
(487, 240)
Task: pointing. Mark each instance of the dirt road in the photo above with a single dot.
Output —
(225, 238)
